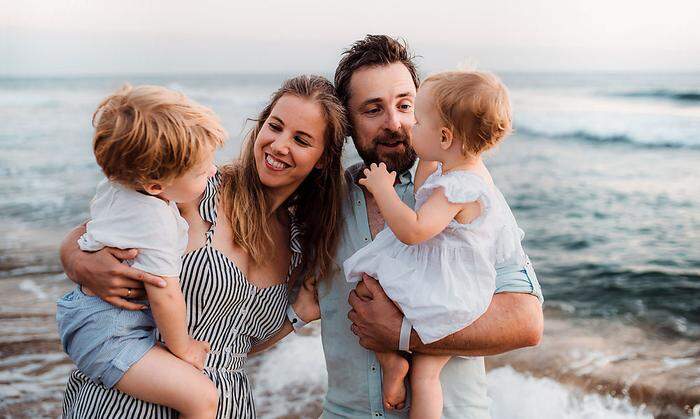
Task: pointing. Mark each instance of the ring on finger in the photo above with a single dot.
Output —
(128, 292)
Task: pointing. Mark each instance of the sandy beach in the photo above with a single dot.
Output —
(573, 364)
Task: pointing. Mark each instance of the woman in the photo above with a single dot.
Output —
(246, 237)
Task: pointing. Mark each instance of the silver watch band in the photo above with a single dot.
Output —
(297, 322)
(405, 336)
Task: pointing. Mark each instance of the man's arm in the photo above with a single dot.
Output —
(103, 273)
(512, 321)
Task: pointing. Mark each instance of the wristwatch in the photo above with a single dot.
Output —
(297, 322)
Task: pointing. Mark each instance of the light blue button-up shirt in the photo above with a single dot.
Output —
(354, 374)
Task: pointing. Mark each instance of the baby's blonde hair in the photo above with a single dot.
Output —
(474, 105)
(149, 133)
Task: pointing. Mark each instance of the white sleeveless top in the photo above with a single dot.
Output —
(445, 283)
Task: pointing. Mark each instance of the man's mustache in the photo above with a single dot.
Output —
(392, 137)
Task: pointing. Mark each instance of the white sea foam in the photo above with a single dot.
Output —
(31, 286)
(297, 364)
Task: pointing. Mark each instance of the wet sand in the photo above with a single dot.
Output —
(588, 356)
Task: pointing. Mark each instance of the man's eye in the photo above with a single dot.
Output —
(372, 111)
(405, 106)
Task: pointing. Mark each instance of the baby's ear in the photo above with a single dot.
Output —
(153, 188)
(446, 138)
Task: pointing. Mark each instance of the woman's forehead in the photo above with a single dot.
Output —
(300, 114)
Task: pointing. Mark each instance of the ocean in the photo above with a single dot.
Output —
(602, 173)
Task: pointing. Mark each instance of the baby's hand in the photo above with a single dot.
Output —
(377, 178)
(196, 353)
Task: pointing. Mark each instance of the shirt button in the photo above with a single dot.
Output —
(359, 203)
(244, 310)
(366, 238)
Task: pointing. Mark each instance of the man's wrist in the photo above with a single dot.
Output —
(415, 344)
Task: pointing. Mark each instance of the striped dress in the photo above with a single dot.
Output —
(224, 309)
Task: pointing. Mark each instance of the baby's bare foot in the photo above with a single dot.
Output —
(394, 370)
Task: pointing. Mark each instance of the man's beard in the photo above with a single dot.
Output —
(396, 161)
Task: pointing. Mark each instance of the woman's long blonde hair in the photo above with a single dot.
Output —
(317, 202)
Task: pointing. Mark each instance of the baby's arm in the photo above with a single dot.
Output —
(408, 226)
(168, 307)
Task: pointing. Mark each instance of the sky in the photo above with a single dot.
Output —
(80, 37)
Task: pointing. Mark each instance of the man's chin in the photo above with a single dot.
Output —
(397, 161)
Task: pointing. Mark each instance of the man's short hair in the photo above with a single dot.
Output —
(373, 50)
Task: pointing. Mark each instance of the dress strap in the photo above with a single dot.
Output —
(208, 204)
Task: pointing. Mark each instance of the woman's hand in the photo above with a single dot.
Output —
(103, 272)
(377, 179)
(306, 305)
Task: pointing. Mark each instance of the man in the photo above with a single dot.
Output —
(377, 81)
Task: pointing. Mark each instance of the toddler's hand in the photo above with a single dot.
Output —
(377, 177)
(196, 353)
(306, 304)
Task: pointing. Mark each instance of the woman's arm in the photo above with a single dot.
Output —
(305, 306)
(103, 272)
(267, 344)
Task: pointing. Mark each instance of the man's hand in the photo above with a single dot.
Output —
(375, 318)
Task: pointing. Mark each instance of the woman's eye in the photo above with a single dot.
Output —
(274, 127)
(301, 140)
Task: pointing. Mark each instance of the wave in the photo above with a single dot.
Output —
(680, 96)
(591, 137)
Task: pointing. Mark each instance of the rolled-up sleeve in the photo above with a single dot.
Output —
(520, 279)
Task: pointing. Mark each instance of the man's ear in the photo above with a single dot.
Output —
(153, 188)
(446, 138)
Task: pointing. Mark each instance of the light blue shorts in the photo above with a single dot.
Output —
(104, 341)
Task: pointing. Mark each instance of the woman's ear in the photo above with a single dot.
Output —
(445, 138)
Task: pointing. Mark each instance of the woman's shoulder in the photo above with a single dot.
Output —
(210, 198)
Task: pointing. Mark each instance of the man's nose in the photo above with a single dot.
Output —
(393, 120)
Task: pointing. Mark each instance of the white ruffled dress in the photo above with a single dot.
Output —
(445, 283)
